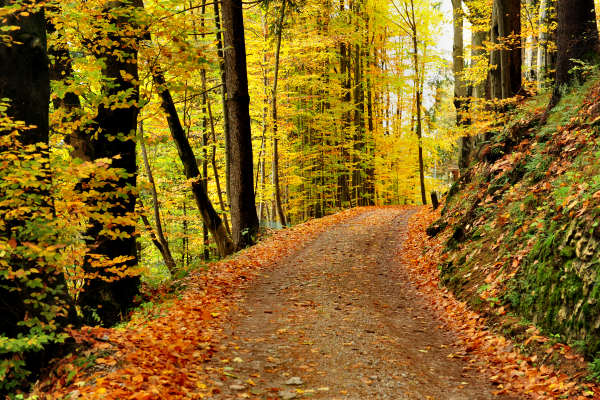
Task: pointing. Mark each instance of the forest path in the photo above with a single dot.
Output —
(340, 319)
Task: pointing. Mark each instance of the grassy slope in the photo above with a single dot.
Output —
(523, 221)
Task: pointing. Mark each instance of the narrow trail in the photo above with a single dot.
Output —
(340, 319)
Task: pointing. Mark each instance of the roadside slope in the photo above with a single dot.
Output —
(521, 231)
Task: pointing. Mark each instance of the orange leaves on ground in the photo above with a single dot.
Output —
(513, 372)
(163, 358)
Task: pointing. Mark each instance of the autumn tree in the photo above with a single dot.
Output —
(112, 284)
(34, 303)
(409, 24)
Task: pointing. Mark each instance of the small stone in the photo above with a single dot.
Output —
(237, 387)
(294, 380)
(373, 377)
(287, 395)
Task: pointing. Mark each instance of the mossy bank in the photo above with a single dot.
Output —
(524, 220)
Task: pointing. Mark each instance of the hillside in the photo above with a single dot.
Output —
(521, 223)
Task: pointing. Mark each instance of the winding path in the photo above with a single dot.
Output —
(340, 319)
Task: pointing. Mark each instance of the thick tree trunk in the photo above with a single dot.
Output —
(163, 243)
(36, 288)
(109, 293)
(244, 219)
(279, 206)
(576, 38)
(209, 216)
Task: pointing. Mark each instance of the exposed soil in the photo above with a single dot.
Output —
(340, 319)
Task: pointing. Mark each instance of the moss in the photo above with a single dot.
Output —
(567, 252)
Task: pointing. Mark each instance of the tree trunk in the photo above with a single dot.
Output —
(214, 163)
(576, 39)
(478, 51)
(221, 56)
(274, 116)
(244, 219)
(460, 88)
(345, 76)
(39, 293)
(506, 59)
(543, 57)
(164, 251)
(163, 244)
(109, 292)
(61, 70)
(458, 62)
(190, 165)
(530, 41)
(418, 92)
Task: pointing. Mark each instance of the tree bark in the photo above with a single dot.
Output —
(244, 219)
(190, 165)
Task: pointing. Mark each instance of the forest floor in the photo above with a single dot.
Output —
(345, 307)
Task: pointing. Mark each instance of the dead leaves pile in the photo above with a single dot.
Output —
(163, 358)
(513, 372)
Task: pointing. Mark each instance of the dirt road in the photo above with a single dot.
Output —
(340, 319)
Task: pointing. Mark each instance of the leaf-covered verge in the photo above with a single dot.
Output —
(160, 353)
(509, 362)
(521, 226)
